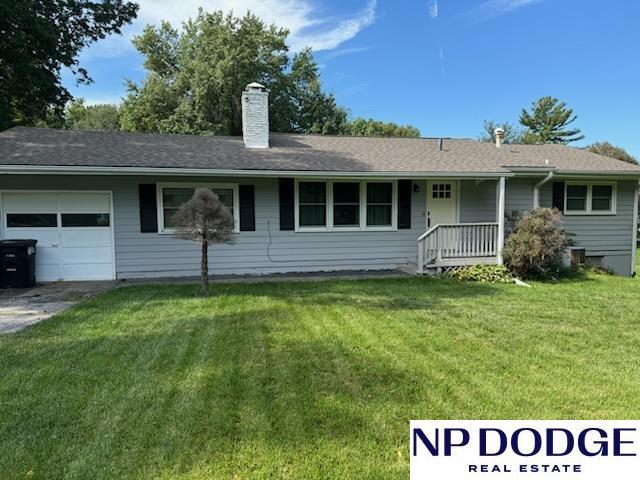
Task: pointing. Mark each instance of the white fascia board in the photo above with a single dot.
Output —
(71, 170)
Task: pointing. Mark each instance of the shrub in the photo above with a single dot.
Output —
(481, 273)
(536, 246)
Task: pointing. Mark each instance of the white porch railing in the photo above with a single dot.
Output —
(458, 244)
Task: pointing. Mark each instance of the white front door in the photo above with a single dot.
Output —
(74, 232)
(442, 202)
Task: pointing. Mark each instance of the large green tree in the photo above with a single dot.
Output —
(38, 39)
(196, 76)
(102, 117)
(610, 150)
(363, 127)
(549, 122)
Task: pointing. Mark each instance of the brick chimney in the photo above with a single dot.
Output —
(255, 116)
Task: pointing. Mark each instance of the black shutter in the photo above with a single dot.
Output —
(286, 204)
(247, 208)
(148, 208)
(557, 198)
(404, 203)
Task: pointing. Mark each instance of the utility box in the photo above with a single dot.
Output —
(17, 263)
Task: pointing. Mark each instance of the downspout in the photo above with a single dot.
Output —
(536, 189)
(634, 235)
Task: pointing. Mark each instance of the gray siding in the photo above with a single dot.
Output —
(269, 250)
(478, 201)
(609, 236)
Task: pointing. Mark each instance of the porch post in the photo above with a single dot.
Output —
(500, 214)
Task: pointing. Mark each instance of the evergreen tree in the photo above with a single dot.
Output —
(548, 122)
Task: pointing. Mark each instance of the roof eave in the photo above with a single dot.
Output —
(83, 170)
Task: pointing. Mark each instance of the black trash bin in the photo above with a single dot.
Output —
(17, 263)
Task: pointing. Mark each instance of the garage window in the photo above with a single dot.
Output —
(32, 220)
(85, 220)
(172, 195)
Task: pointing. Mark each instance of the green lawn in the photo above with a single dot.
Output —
(304, 380)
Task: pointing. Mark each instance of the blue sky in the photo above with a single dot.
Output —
(442, 66)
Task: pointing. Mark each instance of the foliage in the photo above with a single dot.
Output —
(512, 134)
(481, 273)
(548, 122)
(39, 39)
(595, 269)
(205, 219)
(609, 150)
(511, 219)
(104, 117)
(361, 127)
(536, 247)
(307, 109)
(196, 76)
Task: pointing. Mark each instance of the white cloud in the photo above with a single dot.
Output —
(494, 8)
(306, 24)
(433, 9)
(344, 30)
(341, 52)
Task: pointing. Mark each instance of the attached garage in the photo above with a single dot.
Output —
(74, 232)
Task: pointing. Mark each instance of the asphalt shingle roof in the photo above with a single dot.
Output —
(314, 153)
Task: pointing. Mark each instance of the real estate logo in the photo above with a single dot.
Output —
(514, 449)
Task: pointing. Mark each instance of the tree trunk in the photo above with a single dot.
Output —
(204, 268)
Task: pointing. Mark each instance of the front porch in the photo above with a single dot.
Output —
(452, 244)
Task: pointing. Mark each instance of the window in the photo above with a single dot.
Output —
(85, 219)
(31, 220)
(590, 198)
(379, 204)
(441, 190)
(346, 205)
(601, 196)
(172, 196)
(577, 198)
(312, 198)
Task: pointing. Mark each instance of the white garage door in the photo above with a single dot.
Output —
(74, 232)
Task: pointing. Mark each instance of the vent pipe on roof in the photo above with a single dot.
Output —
(255, 116)
(499, 134)
(440, 144)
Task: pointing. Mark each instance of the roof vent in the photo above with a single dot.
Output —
(499, 134)
(255, 116)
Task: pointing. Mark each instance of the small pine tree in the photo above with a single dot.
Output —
(204, 219)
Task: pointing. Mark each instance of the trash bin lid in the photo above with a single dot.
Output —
(17, 242)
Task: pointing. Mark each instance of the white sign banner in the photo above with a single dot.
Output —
(525, 449)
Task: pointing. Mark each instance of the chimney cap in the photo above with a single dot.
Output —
(255, 86)
(499, 132)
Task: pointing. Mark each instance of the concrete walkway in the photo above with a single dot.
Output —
(22, 307)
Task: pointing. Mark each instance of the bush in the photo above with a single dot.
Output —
(536, 246)
(481, 273)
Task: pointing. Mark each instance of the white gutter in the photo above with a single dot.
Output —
(536, 189)
(74, 170)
